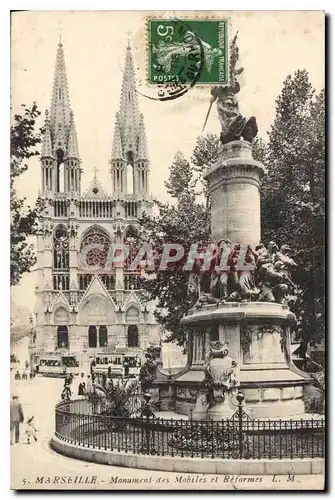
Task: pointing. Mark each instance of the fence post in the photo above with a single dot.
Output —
(240, 398)
(147, 413)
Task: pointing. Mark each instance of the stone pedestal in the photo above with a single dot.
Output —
(258, 337)
(234, 190)
(222, 410)
(201, 406)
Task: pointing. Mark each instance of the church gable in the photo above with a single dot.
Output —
(60, 302)
(96, 287)
(134, 301)
(96, 191)
(96, 309)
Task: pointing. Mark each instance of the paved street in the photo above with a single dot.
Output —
(29, 463)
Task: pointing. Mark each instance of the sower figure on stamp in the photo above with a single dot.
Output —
(169, 52)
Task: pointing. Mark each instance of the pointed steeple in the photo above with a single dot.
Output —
(129, 141)
(142, 141)
(60, 145)
(117, 145)
(128, 122)
(129, 112)
(72, 145)
(47, 143)
(60, 102)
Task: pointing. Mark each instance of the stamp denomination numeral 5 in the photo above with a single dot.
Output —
(164, 31)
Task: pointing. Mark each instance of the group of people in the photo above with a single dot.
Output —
(84, 387)
(16, 419)
(25, 375)
(28, 372)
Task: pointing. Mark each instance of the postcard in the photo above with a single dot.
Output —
(167, 250)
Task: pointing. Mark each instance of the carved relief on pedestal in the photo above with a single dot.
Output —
(262, 344)
(246, 336)
(221, 372)
(191, 394)
(199, 346)
(181, 393)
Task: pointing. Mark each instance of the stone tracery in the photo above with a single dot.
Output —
(96, 257)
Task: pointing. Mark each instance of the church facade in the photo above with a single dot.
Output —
(88, 308)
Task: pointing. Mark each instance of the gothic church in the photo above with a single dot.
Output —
(78, 310)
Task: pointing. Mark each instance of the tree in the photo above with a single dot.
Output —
(293, 198)
(183, 222)
(181, 179)
(24, 139)
(259, 149)
(206, 152)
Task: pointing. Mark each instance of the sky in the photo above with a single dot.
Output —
(273, 44)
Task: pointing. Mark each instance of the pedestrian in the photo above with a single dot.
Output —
(16, 418)
(81, 386)
(66, 393)
(126, 368)
(89, 385)
(68, 379)
(31, 430)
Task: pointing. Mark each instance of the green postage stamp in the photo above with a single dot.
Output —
(188, 51)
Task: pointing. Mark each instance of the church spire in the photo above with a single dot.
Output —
(129, 112)
(60, 102)
(129, 142)
(60, 155)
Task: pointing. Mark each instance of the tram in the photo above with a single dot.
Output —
(117, 364)
(57, 364)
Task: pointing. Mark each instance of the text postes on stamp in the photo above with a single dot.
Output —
(185, 51)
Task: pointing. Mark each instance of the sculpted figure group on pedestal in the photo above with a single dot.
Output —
(242, 274)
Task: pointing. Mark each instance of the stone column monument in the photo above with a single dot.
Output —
(246, 305)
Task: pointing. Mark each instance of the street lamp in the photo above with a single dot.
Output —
(31, 341)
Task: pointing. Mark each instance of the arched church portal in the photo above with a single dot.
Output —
(133, 340)
(63, 337)
(103, 336)
(92, 336)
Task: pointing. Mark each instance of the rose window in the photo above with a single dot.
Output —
(100, 243)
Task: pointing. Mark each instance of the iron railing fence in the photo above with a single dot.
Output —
(238, 437)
